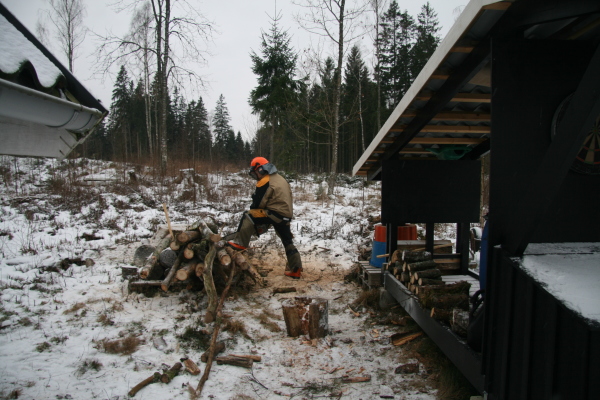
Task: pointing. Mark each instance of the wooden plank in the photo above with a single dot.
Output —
(447, 129)
(454, 116)
(445, 140)
(461, 97)
(499, 6)
(462, 49)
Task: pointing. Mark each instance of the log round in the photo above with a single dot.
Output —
(306, 316)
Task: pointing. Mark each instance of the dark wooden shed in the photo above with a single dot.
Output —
(519, 80)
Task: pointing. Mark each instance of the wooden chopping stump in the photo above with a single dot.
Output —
(306, 316)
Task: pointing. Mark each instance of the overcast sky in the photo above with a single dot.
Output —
(239, 23)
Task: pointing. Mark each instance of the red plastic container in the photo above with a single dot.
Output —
(405, 232)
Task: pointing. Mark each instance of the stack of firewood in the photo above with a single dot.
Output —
(448, 303)
(194, 252)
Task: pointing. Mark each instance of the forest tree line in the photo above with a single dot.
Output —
(151, 122)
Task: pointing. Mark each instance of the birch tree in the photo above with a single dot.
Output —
(337, 23)
(180, 36)
(67, 18)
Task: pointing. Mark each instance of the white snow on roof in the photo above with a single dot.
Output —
(571, 274)
(16, 49)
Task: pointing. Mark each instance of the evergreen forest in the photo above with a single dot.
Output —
(312, 120)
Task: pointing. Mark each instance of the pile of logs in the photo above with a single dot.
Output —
(449, 303)
(190, 259)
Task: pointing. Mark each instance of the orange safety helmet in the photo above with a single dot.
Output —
(258, 161)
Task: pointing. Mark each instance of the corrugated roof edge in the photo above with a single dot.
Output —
(454, 34)
(73, 85)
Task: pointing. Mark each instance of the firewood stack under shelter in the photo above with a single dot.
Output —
(447, 296)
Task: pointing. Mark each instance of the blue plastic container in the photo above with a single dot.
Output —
(378, 249)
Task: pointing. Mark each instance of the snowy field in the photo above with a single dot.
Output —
(70, 329)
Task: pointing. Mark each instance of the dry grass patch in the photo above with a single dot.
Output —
(235, 326)
(125, 346)
(76, 307)
(265, 320)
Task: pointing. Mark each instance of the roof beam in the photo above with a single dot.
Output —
(431, 140)
(471, 65)
(447, 129)
(454, 116)
(460, 97)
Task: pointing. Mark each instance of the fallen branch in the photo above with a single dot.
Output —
(398, 339)
(151, 379)
(213, 342)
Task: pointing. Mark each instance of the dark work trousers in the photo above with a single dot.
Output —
(250, 225)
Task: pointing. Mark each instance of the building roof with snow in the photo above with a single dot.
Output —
(44, 110)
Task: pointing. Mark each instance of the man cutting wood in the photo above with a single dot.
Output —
(271, 205)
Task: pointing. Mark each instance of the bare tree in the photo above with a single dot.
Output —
(180, 35)
(67, 18)
(336, 22)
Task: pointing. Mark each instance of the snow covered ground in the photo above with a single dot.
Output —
(64, 305)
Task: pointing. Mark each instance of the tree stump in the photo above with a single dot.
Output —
(306, 316)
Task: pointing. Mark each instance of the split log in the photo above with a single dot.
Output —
(169, 278)
(421, 266)
(428, 273)
(306, 315)
(147, 271)
(460, 322)
(461, 287)
(284, 290)
(238, 258)
(187, 270)
(151, 379)
(219, 347)
(429, 281)
(411, 368)
(191, 366)
(188, 236)
(237, 361)
(445, 301)
(253, 357)
(168, 376)
(416, 256)
(405, 277)
(398, 339)
(205, 230)
(196, 249)
(224, 258)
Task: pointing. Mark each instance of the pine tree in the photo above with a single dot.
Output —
(427, 38)
(356, 80)
(275, 70)
(118, 127)
(222, 129)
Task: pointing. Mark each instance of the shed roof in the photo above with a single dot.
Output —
(445, 114)
(44, 110)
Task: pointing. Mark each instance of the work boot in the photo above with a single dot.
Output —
(294, 264)
(294, 275)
